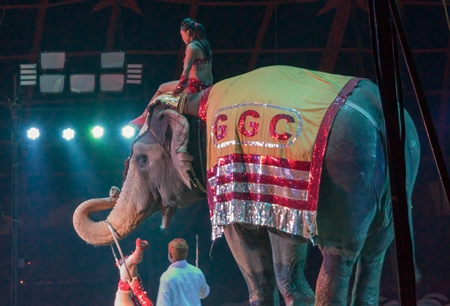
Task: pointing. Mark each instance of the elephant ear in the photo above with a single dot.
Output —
(181, 159)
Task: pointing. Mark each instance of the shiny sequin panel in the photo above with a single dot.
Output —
(261, 190)
(292, 221)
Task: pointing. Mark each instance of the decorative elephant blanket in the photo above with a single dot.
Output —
(268, 132)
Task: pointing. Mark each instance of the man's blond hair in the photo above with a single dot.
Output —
(178, 249)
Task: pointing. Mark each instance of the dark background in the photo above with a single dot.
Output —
(55, 266)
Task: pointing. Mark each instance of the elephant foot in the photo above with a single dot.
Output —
(265, 300)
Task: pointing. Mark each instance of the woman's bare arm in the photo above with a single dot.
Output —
(190, 55)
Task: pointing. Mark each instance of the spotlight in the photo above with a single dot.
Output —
(52, 83)
(82, 83)
(53, 60)
(98, 131)
(112, 59)
(128, 131)
(33, 133)
(68, 134)
(112, 82)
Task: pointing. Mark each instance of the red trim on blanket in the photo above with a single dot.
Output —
(268, 198)
(244, 177)
(322, 138)
(203, 103)
(261, 160)
(258, 178)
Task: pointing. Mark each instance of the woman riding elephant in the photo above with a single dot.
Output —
(197, 66)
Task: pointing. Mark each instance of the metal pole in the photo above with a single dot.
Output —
(14, 196)
(384, 46)
(196, 251)
(422, 102)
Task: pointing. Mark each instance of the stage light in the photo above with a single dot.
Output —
(111, 82)
(134, 73)
(82, 83)
(52, 83)
(98, 131)
(128, 131)
(112, 59)
(53, 60)
(68, 134)
(28, 75)
(33, 133)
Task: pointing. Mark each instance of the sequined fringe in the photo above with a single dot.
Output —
(288, 220)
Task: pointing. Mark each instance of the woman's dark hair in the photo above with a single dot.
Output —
(197, 31)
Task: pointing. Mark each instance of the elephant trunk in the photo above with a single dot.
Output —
(126, 215)
(93, 232)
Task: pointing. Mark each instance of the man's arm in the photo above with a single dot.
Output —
(163, 298)
(204, 288)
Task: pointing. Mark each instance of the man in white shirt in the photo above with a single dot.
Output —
(182, 284)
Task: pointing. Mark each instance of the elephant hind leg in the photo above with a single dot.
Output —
(370, 265)
(250, 246)
(289, 256)
(334, 277)
(367, 281)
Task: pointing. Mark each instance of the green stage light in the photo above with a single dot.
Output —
(68, 134)
(98, 131)
(33, 133)
(128, 131)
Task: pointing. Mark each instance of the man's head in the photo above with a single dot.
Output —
(178, 250)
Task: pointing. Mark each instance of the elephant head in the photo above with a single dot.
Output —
(157, 179)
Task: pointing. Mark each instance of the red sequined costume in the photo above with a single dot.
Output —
(196, 86)
(192, 84)
(130, 291)
(139, 296)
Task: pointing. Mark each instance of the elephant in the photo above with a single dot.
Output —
(271, 203)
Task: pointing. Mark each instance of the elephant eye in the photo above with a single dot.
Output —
(141, 160)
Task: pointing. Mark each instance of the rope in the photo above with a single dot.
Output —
(196, 181)
(112, 230)
(276, 32)
(446, 14)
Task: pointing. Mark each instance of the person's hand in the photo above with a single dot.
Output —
(182, 84)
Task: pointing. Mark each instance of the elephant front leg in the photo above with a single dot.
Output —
(289, 256)
(250, 246)
(333, 281)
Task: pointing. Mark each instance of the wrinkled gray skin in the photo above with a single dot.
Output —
(354, 217)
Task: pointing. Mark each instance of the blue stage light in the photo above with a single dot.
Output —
(68, 134)
(128, 131)
(98, 131)
(33, 133)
